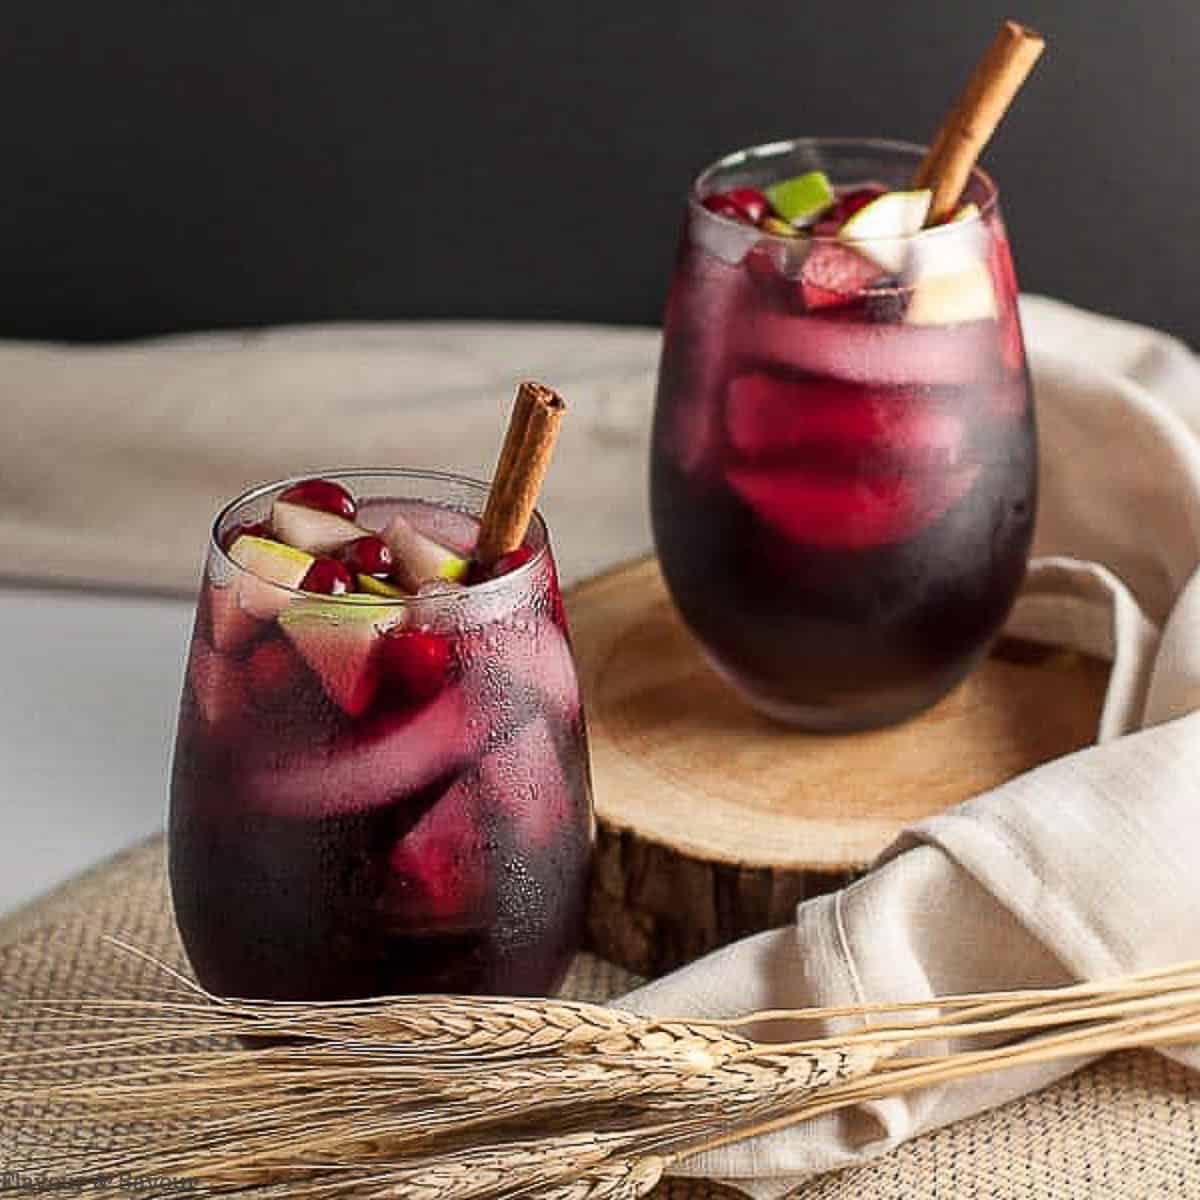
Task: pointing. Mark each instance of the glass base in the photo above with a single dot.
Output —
(849, 715)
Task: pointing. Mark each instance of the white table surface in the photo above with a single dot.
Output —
(89, 689)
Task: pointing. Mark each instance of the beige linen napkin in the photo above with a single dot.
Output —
(113, 460)
(1084, 868)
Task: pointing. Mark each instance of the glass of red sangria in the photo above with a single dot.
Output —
(380, 782)
(844, 464)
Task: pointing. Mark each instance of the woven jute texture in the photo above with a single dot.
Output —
(1128, 1127)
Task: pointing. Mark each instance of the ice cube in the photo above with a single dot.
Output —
(767, 415)
(880, 354)
(379, 762)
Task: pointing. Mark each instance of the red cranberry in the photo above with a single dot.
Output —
(328, 577)
(748, 205)
(478, 573)
(512, 560)
(252, 529)
(416, 660)
(368, 555)
(845, 207)
(323, 494)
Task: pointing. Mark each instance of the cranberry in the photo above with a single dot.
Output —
(252, 529)
(323, 494)
(748, 205)
(478, 573)
(512, 560)
(845, 207)
(368, 555)
(416, 660)
(328, 577)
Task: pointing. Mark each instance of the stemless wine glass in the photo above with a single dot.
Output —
(375, 796)
(844, 465)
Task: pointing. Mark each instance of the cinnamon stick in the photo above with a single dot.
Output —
(520, 470)
(976, 113)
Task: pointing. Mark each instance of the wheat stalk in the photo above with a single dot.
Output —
(420, 1098)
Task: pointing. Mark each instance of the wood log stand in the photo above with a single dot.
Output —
(714, 822)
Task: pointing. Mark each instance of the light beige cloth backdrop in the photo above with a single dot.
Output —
(112, 461)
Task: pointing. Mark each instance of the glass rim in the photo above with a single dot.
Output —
(489, 586)
(747, 154)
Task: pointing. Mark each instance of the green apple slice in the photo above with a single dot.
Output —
(267, 563)
(802, 199)
(312, 529)
(881, 227)
(339, 640)
(380, 587)
(419, 559)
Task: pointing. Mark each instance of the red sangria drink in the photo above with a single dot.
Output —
(380, 781)
(844, 467)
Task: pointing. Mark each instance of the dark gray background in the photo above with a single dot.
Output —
(171, 165)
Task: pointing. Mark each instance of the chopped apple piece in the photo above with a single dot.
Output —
(801, 200)
(419, 559)
(340, 641)
(881, 227)
(267, 563)
(312, 529)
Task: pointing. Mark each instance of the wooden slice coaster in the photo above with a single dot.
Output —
(714, 822)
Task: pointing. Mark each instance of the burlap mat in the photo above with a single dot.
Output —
(1127, 1127)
